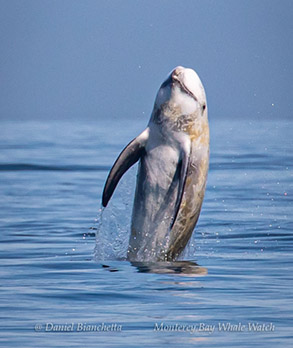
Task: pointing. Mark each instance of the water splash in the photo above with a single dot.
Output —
(112, 227)
(97, 228)
(113, 222)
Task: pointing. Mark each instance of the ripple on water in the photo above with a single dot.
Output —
(237, 267)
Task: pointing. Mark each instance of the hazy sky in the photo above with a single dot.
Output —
(96, 59)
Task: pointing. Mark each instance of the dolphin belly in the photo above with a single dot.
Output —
(154, 203)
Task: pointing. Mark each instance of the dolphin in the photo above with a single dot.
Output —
(173, 155)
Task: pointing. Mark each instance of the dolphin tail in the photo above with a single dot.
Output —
(127, 158)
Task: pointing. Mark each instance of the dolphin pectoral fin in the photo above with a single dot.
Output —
(129, 156)
(184, 165)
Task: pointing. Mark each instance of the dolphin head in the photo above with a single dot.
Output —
(182, 89)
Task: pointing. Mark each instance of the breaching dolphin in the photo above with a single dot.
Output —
(173, 155)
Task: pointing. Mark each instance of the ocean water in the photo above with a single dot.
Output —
(64, 278)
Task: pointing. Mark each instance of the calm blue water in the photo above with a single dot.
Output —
(55, 272)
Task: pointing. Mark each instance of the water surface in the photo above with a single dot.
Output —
(55, 272)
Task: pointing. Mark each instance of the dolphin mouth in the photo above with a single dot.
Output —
(175, 77)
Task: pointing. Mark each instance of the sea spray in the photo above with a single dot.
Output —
(112, 224)
(99, 251)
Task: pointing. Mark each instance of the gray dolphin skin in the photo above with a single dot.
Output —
(173, 155)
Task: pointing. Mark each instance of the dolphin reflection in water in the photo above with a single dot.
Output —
(183, 268)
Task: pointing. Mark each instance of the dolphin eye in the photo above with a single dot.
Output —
(203, 107)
